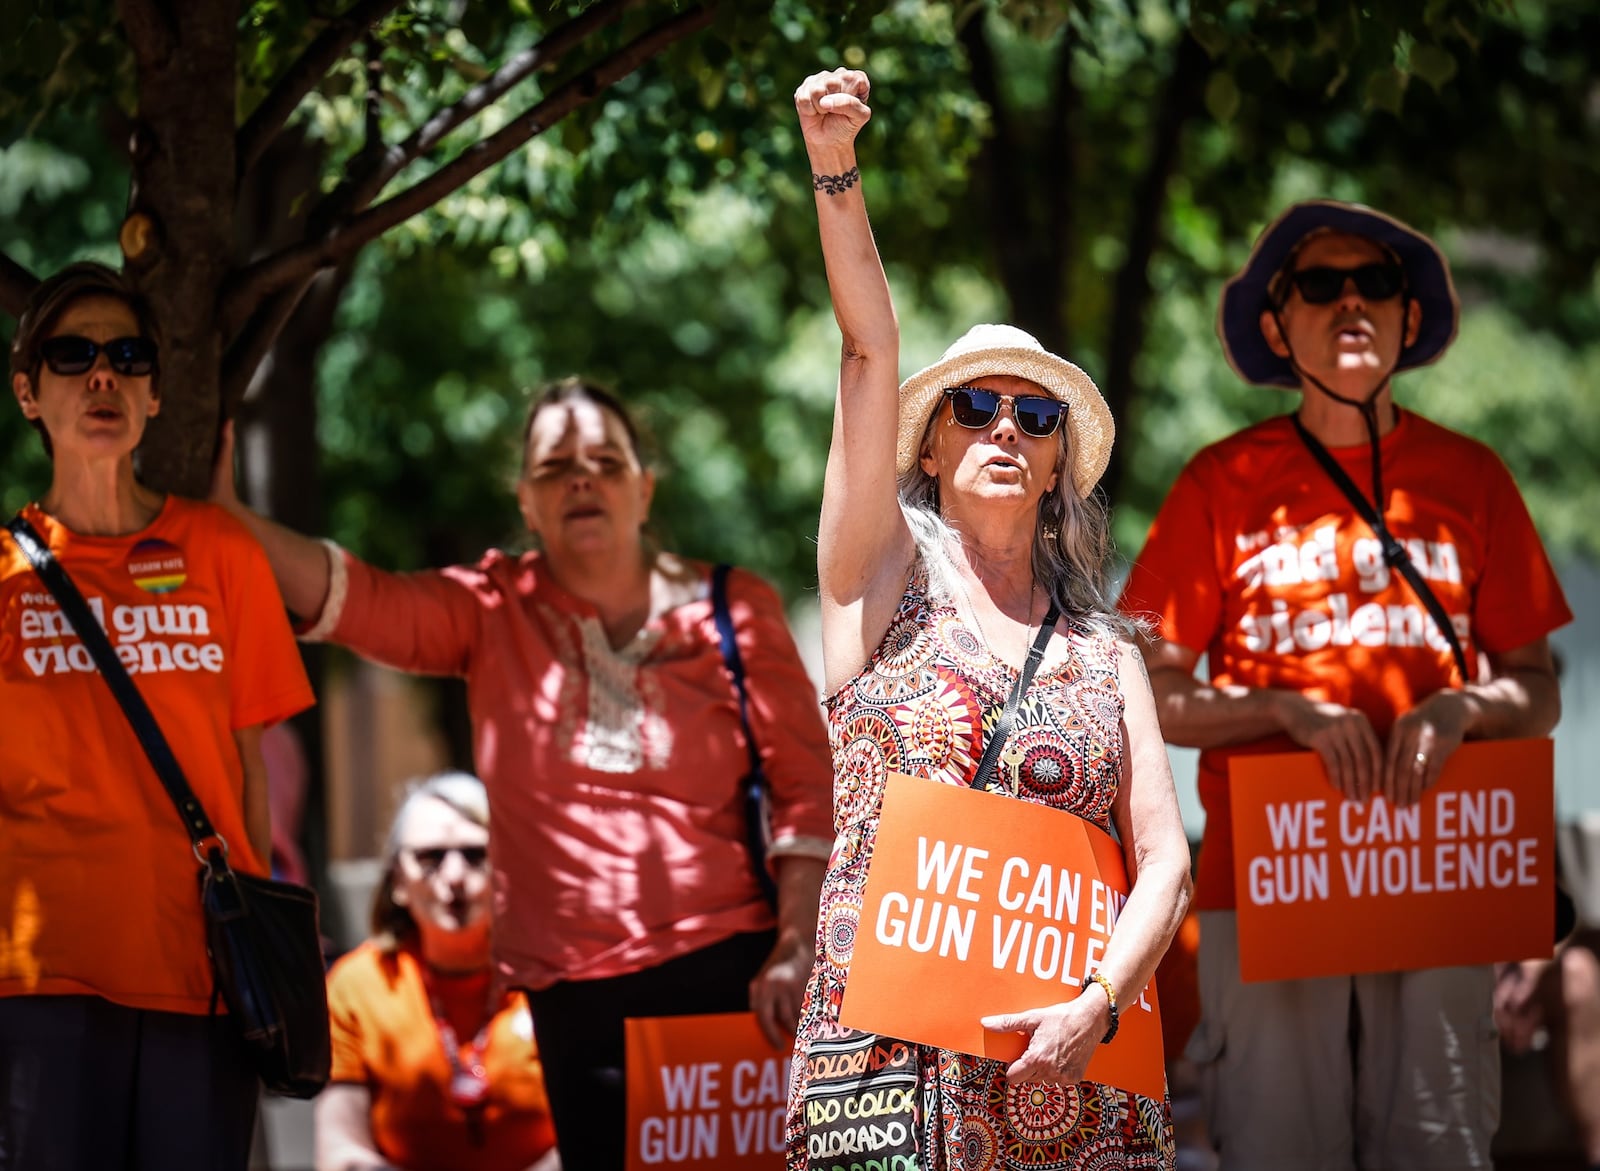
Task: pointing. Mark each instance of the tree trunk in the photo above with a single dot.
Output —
(178, 238)
(280, 467)
(1180, 101)
(1026, 187)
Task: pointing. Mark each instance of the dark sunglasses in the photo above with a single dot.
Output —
(431, 858)
(1323, 284)
(70, 354)
(1037, 414)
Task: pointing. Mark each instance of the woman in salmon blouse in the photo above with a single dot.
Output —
(607, 731)
(434, 1066)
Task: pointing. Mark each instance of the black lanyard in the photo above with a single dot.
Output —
(1394, 553)
(1002, 728)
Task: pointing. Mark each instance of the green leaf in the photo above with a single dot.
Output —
(1213, 38)
(1222, 96)
(1434, 64)
(1282, 57)
(1386, 90)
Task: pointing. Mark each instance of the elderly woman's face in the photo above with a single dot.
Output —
(101, 411)
(996, 462)
(442, 870)
(584, 491)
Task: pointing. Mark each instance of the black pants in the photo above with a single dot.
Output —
(87, 1085)
(578, 1026)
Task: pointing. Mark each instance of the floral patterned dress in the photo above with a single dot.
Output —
(922, 706)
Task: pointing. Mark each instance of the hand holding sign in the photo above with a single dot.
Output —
(779, 988)
(1420, 742)
(993, 909)
(1061, 1038)
(1341, 736)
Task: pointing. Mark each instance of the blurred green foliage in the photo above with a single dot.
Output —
(662, 240)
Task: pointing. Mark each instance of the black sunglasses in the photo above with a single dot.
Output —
(1037, 414)
(430, 858)
(70, 354)
(1323, 284)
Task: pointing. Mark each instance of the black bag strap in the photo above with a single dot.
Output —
(209, 846)
(754, 783)
(1002, 727)
(1394, 553)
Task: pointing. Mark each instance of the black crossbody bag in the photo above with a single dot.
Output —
(262, 935)
(753, 785)
(1394, 553)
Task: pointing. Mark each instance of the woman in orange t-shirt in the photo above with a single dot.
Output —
(434, 1067)
(111, 1053)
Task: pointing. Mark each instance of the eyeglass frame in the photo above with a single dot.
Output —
(123, 363)
(1012, 400)
(1294, 280)
(478, 859)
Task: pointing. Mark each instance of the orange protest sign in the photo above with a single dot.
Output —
(1327, 886)
(704, 1091)
(976, 903)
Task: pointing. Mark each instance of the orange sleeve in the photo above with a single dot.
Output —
(346, 994)
(1519, 599)
(267, 680)
(784, 714)
(1175, 581)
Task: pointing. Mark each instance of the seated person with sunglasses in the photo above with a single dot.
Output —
(111, 1053)
(434, 1066)
(1315, 638)
(962, 565)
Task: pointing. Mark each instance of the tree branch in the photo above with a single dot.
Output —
(1180, 103)
(342, 240)
(16, 285)
(370, 175)
(556, 45)
(246, 352)
(1031, 284)
(292, 86)
(1059, 169)
(148, 28)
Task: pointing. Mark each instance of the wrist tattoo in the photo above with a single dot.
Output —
(836, 184)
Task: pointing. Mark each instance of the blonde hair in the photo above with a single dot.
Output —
(392, 924)
(1071, 541)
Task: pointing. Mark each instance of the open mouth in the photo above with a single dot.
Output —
(104, 414)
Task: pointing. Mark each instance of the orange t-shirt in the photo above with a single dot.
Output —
(1257, 561)
(99, 891)
(385, 1038)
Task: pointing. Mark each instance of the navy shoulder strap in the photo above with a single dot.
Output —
(753, 784)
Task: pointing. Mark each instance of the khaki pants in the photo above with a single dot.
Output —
(1383, 1072)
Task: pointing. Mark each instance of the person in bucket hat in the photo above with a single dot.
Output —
(962, 553)
(1368, 585)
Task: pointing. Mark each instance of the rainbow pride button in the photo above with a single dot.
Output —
(157, 567)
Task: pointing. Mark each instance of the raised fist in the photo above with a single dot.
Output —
(833, 107)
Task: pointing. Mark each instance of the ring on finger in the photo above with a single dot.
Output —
(1420, 761)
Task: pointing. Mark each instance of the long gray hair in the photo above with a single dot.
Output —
(392, 924)
(1071, 541)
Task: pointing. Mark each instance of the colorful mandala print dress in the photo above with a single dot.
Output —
(860, 1102)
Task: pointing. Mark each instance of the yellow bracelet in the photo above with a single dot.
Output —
(1111, 996)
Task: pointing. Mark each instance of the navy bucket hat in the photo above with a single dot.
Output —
(1244, 297)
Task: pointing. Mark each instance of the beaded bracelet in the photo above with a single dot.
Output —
(1111, 996)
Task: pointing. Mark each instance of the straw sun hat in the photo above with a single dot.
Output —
(986, 350)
